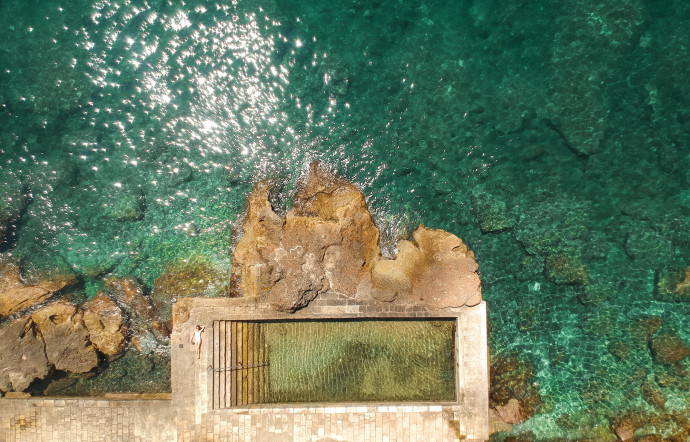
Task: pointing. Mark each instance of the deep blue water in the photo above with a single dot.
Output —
(552, 137)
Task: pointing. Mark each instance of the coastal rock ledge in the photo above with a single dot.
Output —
(328, 242)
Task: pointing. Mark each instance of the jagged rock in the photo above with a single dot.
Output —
(625, 426)
(674, 286)
(328, 241)
(16, 296)
(668, 348)
(67, 344)
(23, 355)
(129, 293)
(104, 321)
(496, 423)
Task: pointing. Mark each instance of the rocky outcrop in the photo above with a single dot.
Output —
(437, 269)
(23, 356)
(67, 344)
(105, 324)
(328, 241)
(16, 296)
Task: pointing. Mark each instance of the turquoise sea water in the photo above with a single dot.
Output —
(553, 137)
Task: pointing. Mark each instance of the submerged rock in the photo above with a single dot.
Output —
(179, 280)
(126, 205)
(492, 214)
(511, 379)
(23, 356)
(566, 268)
(328, 241)
(16, 296)
(619, 349)
(67, 344)
(653, 395)
(668, 348)
(643, 328)
(674, 286)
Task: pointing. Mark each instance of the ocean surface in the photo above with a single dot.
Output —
(552, 137)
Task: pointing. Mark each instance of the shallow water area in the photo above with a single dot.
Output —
(552, 138)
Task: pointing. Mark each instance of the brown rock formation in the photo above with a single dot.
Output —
(23, 357)
(129, 293)
(67, 344)
(16, 296)
(643, 328)
(437, 269)
(511, 380)
(104, 321)
(328, 241)
(668, 349)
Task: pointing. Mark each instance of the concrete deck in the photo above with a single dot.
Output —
(189, 415)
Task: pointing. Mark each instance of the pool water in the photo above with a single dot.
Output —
(361, 361)
(552, 137)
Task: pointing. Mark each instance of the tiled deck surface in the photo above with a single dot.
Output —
(72, 420)
(189, 415)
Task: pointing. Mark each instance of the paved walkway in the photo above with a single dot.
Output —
(154, 420)
(73, 420)
(190, 416)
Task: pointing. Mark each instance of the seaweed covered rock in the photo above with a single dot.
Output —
(328, 241)
(16, 295)
(127, 204)
(67, 343)
(653, 395)
(23, 355)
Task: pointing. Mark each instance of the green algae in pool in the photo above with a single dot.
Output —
(361, 361)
